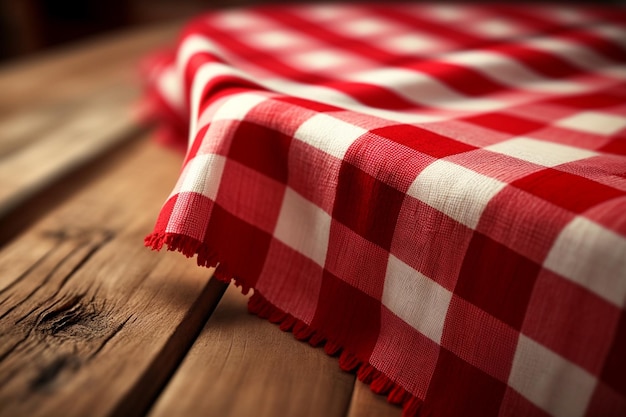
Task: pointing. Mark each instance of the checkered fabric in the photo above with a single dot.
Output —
(438, 192)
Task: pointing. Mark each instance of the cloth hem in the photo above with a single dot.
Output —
(261, 307)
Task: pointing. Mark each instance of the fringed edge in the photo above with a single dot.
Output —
(378, 382)
(183, 244)
(258, 305)
(189, 247)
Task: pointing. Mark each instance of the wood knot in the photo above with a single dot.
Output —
(74, 318)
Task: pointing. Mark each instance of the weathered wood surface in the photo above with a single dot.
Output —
(247, 364)
(365, 403)
(91, 322)
(87, 313)
(61, 110)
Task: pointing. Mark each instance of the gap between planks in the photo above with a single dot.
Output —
(56, 192)
(91, 321)
(243, 366)
(83, 304)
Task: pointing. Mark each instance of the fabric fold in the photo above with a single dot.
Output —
(434, 193)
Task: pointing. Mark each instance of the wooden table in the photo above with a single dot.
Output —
(91, 322)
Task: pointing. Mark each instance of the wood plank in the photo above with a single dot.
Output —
(366, 403)
(241, 365)
(80, 69)
(40, 91)
(91, 322)
(62, 110)
(99, 125)
(56, 193)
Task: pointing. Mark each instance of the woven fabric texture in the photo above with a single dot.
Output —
(438, 192)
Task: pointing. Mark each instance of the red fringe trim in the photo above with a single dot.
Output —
(365, 372)
(190, 247)
(378, 382)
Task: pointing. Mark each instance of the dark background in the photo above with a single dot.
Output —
(28, 26)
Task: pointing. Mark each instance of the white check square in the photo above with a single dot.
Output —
(236, 107)
(540, 152)
(367, 27)
(278, 39)
(413, 43)
(416, 299)
(594, 122)
(203, 174)
(593, 257)
(309, 237)
(549, 381)
(458, 192)
(319, 60)
(497, 28)
(329, 134)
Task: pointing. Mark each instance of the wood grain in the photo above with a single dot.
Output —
(241, 365)
(100, 124)
(79, 70)
(61, 110)
(365, 403)
(92, 323)
(86, 312)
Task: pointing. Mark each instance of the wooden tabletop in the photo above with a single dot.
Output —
(91, 322)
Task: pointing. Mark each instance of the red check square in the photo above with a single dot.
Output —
(355, 260)
(473, 388)
(359, 336)
(302, 281)
(512, 280)
(355, 190)
(572, 192)
(414, 371)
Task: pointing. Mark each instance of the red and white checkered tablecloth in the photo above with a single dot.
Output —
(436, 191)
